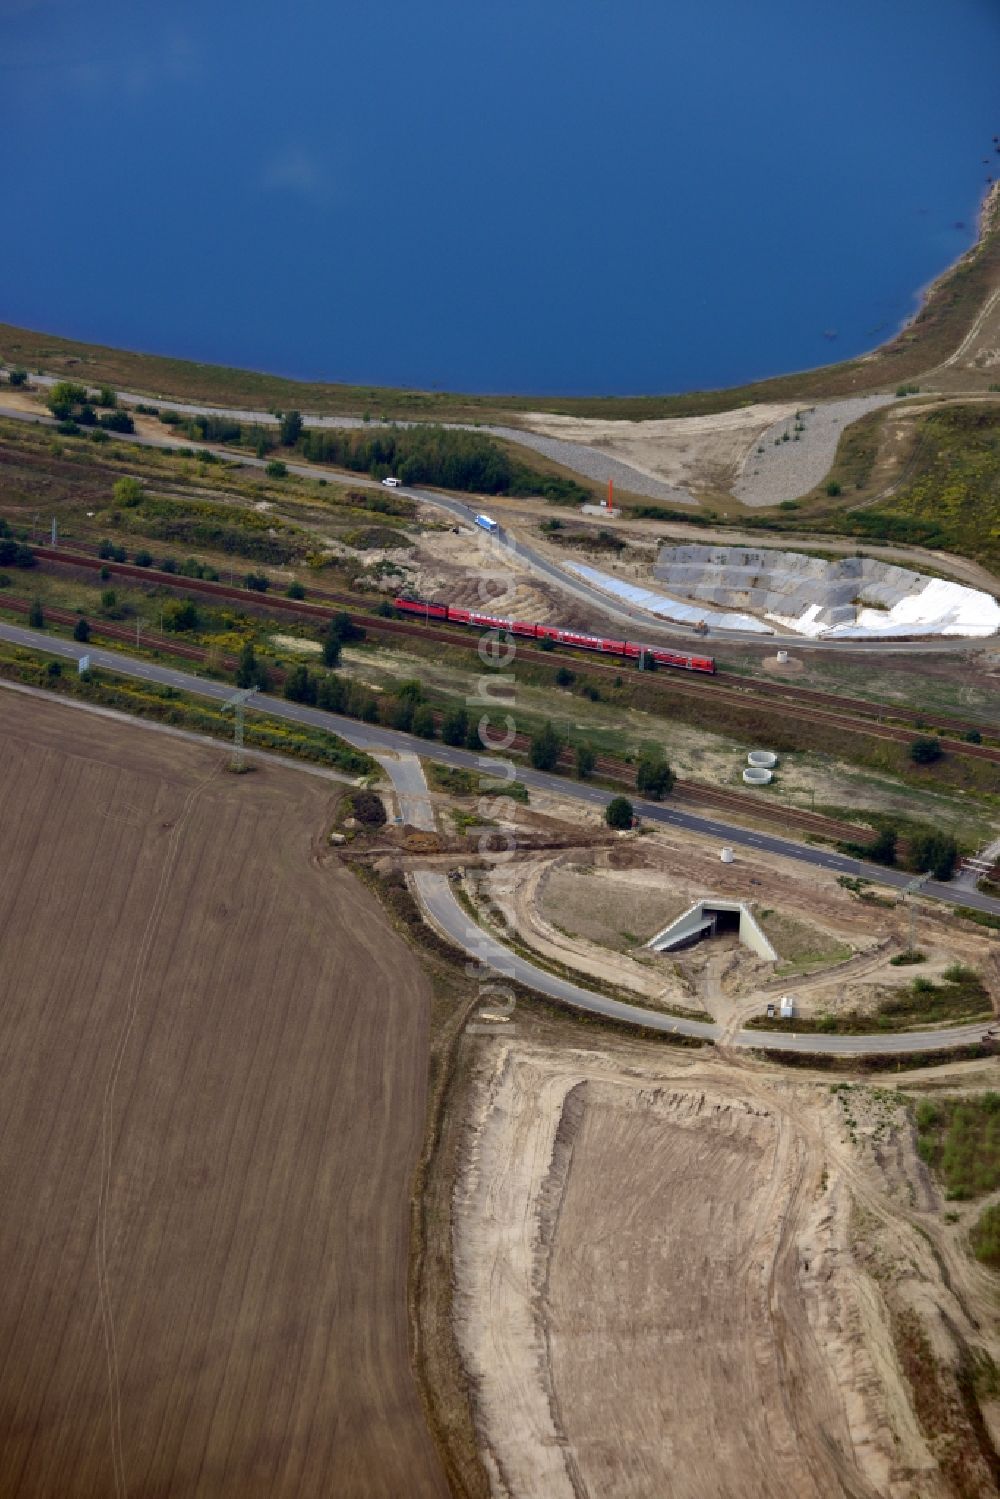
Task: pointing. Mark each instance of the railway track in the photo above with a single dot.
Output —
(847, 715)
(611, 769)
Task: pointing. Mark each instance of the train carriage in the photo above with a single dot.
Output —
(603, 645)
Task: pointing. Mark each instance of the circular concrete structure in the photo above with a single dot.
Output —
(757, 776)
(762, 759)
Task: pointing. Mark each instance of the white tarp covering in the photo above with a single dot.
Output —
(942, 608)
(664, 607)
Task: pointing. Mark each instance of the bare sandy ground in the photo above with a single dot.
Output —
(698, 450)
(656, 1290)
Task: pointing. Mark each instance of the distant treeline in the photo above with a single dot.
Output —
(446, 457)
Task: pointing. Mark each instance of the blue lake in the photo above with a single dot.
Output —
(570, 195)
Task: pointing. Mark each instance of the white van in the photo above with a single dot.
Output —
(391, 483)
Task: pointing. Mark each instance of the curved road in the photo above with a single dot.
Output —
(398, 753)
(652, 626)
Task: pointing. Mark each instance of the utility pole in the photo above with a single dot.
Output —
(909, 892)
(238, 703)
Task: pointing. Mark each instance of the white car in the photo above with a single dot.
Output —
(391, 483)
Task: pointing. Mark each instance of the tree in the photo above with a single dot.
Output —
(586, 759)
(291, 429)
(653, 777)
(258, 582)
(423, 721)
(618, 813)
(883, 849)
(18, 378)
(250, 672)
(455, 726)
(300, 685)
(545, 747)
(934, 853)
(343, 626)
(331, 648)
(925, 751)
(401, 714)
(128, 491)
(143, 558)
(295, 590)
(36, 615)
(565, 677)
(81, 631)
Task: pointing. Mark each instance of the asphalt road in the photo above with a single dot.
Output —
(398, 754)
(436, 895)
(642, 626)
(375, 739)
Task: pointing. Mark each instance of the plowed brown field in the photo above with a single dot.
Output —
(212, 1075)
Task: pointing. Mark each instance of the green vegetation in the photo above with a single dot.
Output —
(985, 1237)
(619, 813)
(450, 779)
(469, 461)
(925, 751)
(546, 746)
(952, 500)
(961, 996)
(168, 705)
(653, 776)
(960, 1140)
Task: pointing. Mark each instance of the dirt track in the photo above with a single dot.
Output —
(661, 1285)
(211, 1097)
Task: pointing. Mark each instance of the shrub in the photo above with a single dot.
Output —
(295, 590)
(925, 750)
(259, 582)
(16, 554)
(291, 429)
(128, 491)
(18, 378)
(143, 558)
(368, 808)
(331, 649)
(36, 615)
(180, 615)
(81, 631)
(832, 488)
(972, 736)
(618, 813)
(276, 469)
(565, 677)
(116, 421)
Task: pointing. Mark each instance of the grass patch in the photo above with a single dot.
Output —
(961, 996)
(168, 705)
(960, 1140)
(985, 1237)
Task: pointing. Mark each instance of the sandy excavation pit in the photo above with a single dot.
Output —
(697, 1323)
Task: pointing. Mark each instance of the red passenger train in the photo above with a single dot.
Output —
(599, 643)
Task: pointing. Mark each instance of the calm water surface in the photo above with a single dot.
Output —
(566, 195)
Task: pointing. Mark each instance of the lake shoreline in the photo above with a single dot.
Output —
(948, 308)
